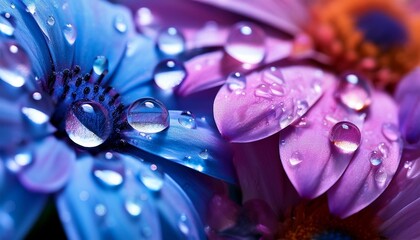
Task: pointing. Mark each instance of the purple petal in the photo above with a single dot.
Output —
(223, 213)
(198, 146)
(19, 208)
(52, 166)
(305, 148)
(271, 100)
(261, 174)
(363, 182)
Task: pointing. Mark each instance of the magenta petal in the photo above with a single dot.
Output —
(271, 100)
(305, 148)
(363, 182)
(261, 175)
(52, 166)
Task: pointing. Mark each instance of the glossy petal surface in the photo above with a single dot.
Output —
(271, 100)
(362, 182)
(198, 147)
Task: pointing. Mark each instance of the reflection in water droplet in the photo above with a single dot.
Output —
(88, 123)
(390, 131)
(376, 158)
(100, 65)
(7, 24)
(204, 154)
(345, 137)
(148, 115)
(133, 206)
(295, 159)
(152, 178)
(246, 43)
(108, 172)
(70, 33)
(51, 21)
(302, 107)
(120, 25)
(15, 67)
(236, 82)
(35, 115)
(187, 120)
(353, 92)
(170, 41)
(169, 73)
(183, 224)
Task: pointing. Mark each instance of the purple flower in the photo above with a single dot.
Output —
(73, 128)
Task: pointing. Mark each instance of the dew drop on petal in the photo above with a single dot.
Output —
(100, 210)
(390, 131)
(7, 24)
(169, 73)
(381, 177)
(263, 91)
(273, 75)
(152, 178)
(278, 89)
(302, 107)
(31, 8)
(187, 120)
(108, 170)
(100, 65)
(204, 154)
(19, 161)
(353, 92)
(133, 206)
(170, 41)
(120, 25)
(376, 158)
(236, 82)
(183, 224)
(246, 43)
(51, 21)
(345, 137)
(384, 149)
(15, 65)
(69, 33)
(148, 115)
(295, 159)
(88, 123)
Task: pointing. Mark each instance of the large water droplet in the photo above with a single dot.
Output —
(88, 123)
(187, 120)
(183, 224)
(133, 206)
(169, 73)
(390, 131)
(170, 41)
(100, 65)
(7, 24)
(353, 92)
(70, 33)
(148, 115)
(108, 170)
(246, 43)
(51, 20)
(376, 158)
(236, 82)
(295, 159)
(152, 178)
(120, 24)
(345, 137)
(15, 66)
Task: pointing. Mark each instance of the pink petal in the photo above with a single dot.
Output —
(53, 162)
(261, 175)
(271, 100)
(306, 151)
(362, 182)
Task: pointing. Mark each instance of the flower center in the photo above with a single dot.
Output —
(86, 112)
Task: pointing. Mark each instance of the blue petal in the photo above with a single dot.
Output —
(19, 208)
(52, 18)
(10, 124)
(90, 210)
(97, 34)
(200, 148)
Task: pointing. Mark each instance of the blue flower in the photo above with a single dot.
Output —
(72, 128)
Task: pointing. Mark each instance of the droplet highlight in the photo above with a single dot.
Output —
(100, 65)
(51, 21)
(15, 67)
(187, 120)
(354, 92)
(169, 73)
(69, 33)
(152, 178)
(108, 171)
(148, 115)
(170, 41)
(376, 158)
(345, 137)
(120, 24)
(133, 206)
(7, 24)
(236, 82)
(295, 159)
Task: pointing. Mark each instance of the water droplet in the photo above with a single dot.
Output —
(204, 154)
(381, 177)
(148, 115)
(7, 24)
(236, 82)
(170, 41)
(408, 164)
(15, 67)
(277, 89)
(295, 159)
(302, 107)
(100, 65)
(376, 158)
(353, 92)
(187, 120)
(51, 21)
(88, 123)
(19, 161)
(12, 5)
(345, 137)
(31, 8)
(70, 33)
(169, 73)
(120, 24)
(263, 91)
(133, 206)
(246, 43)
(144, 17)
(183, 224)
(108, 172)
(273, 75)
(152, 178)
(390, 131)
(35, 115)
(384, 149)
(100, 210)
